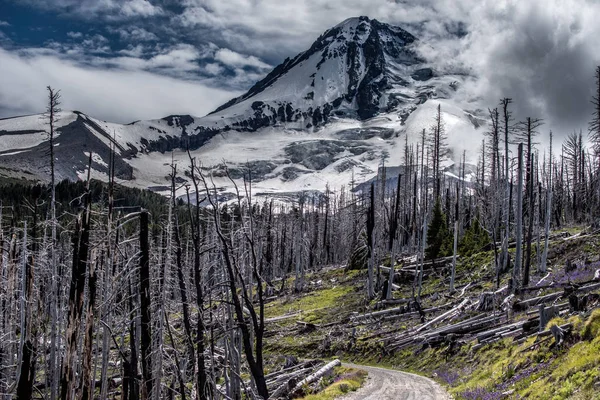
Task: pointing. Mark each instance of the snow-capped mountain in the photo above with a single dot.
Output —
(328, 115)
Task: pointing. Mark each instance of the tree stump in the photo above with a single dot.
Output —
(570, 266)
(487, 301)
(546, 314)
(577, 304)
(559, 335)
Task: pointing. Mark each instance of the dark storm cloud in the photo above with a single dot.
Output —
(540, 53)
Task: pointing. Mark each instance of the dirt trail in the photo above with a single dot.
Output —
(386, 384)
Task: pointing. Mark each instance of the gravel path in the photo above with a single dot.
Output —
(386, 384)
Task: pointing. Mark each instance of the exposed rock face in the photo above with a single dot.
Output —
(74, 141)
(318, 154)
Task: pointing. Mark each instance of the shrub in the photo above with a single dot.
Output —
(591, 329)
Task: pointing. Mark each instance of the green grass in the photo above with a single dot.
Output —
(540, 372)
(335, 298)
(312, 306)
(591, 329)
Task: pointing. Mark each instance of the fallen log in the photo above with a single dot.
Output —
(471, 325)
(438, 262)
(521, 305)
(306, 364)
(445, 315)
(487, 334)
(393, 301)
(415, 313)
(317, 375)
(284, 379)
(545, 333)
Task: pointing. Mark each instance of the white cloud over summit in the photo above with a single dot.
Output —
(117, 95)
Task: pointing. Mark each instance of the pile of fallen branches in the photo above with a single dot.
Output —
(288, 382)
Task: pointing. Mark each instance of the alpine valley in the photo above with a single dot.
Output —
(329, 116)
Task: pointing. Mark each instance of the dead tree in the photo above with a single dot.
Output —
(527, 131)
(241, 299)
(52, 109)
(594, 135)
(202, 387)
(81, 243)
(145, 306)
(548, 216)
(507, 127)
(26, 372)
(519, 221)
(438, 148)
(370, 242)
(179, 262)
(392, 239)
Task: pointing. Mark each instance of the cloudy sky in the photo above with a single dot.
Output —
(124, 60)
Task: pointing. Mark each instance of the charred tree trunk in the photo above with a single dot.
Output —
(519, 218)
(145, 306)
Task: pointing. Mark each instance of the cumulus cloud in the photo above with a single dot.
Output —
(213, 68)
(140, 8)
(74, 35)
(133, 34)
(109, 9)
(111, 94)
(540, 53)
(234, 59)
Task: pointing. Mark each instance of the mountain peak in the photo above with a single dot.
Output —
(346, 71)
(353, 22)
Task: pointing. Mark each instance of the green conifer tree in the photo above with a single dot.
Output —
(474, 240)
(439, 239)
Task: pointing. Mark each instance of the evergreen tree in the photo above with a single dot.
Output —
(439, 239)
(474, 239)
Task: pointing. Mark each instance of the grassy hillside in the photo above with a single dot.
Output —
(318, 323)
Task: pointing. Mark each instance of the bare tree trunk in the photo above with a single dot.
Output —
(26, 372)
(392, 240)
(506, 200)
(88, 378)
(370, 242)
(145, 306)
(453, 272)
(51, 110)
(131, 368)
(542, 267)
(519, 218)
(81, 244)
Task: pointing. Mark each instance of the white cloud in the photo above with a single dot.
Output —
(133, 51)
(540, 53)
(134, 34)
(234, 59)
(75, 35)
(182, 57)
(4, 23)
(109, 9)
(140, 8)
(111, 94)
(213, 68)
